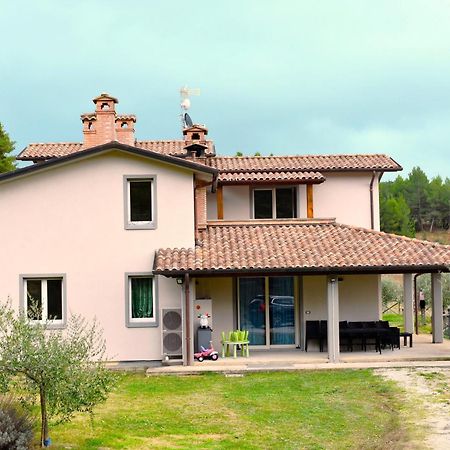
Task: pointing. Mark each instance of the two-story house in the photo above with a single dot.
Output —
(134, 232)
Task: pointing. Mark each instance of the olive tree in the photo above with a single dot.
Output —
(63, 369)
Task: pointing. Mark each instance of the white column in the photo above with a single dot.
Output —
(333, 319)
(408, 301)
(437, 321)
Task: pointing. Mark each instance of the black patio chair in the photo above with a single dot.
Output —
(323, 333)
(389, 336)
(371, 335)
(313, 333)
(345, 335)
(354, 333)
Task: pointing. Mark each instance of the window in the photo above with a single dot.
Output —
(279, 203)
(43, 299)
(141, 305)
(139, 202)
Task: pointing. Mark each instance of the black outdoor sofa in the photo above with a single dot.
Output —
(359, 334)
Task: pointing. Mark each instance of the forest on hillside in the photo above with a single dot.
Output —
(415, 204)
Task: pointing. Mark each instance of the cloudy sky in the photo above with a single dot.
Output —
(282, 77)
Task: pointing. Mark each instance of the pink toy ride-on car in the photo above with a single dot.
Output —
(207, 353)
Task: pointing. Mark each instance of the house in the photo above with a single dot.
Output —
(135, 232)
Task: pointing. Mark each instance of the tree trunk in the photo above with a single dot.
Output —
(44, 424)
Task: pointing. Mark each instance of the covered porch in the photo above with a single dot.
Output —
(321, 270)
(424, 353)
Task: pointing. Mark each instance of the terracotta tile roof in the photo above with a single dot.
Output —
(319, 163)
(58, 149)
(302, 246)
(174, 148)
(49, 150)
(264, 177)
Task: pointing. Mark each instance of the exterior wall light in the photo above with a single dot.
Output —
(180, 281)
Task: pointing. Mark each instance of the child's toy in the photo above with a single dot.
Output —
(207, 353)
(204, 322)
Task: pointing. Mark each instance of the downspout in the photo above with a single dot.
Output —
(187, 308)
(372, 217)
(416, 306)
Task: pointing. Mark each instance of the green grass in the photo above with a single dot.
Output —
(396, 320)
(289, 410)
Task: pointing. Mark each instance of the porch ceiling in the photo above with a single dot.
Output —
(302, 247)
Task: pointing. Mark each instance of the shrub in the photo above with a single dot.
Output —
(16, 426)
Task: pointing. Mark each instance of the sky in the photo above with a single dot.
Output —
(281, 77)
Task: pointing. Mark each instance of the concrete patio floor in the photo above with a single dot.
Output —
(423, 353)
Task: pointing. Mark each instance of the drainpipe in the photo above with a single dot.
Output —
(372, 218)
(187, 308)
(416, 313)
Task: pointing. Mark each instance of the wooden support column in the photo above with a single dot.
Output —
(309, 201)
(408, 301)
(333, 319)
(219, 198)
(437, 320)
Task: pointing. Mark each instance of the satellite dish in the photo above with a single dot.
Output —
(188, 120)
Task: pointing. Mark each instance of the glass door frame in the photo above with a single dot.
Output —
(297, 323)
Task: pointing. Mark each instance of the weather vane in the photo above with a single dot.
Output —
(185, 94)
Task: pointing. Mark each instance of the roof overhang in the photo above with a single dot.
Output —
(300, 247)
(306, 271)
(201, 169)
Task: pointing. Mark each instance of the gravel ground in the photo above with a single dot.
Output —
(430, 388)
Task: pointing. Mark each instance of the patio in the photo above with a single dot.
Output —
(423, 353)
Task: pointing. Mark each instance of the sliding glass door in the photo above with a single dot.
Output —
(267, 310)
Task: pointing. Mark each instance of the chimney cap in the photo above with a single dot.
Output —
(88, 116)
(195, 127)
(105, 96)
(120, 117)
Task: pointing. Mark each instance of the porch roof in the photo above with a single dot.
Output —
(314, 246)
(270, 177)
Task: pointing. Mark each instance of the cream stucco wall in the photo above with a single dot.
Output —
(345, 196)
(70, 219)
(358, 297)
(236, 203)
(220, 291)
(359, 300)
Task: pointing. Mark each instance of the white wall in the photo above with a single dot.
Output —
(358, 297)
(220, 290)
(70, 219)
(236, 203)
(345, 196)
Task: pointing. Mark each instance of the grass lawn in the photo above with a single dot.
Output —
(284, 410)
(396, 320)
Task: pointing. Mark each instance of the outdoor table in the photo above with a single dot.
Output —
(363, 334)
(405, 335)
(227, 344)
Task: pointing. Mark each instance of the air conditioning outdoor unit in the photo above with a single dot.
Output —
(172, 335)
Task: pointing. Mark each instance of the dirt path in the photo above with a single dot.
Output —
(429, 387)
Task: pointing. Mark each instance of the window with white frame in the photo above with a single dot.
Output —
(275, 203)
(140, 210)
(141, 309)
(44, 299)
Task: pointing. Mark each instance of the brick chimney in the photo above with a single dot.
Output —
(106, 117)
(195, 139)
(195, 133)
(125, 129)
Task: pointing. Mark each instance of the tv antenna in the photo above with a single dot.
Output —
(185, 94)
